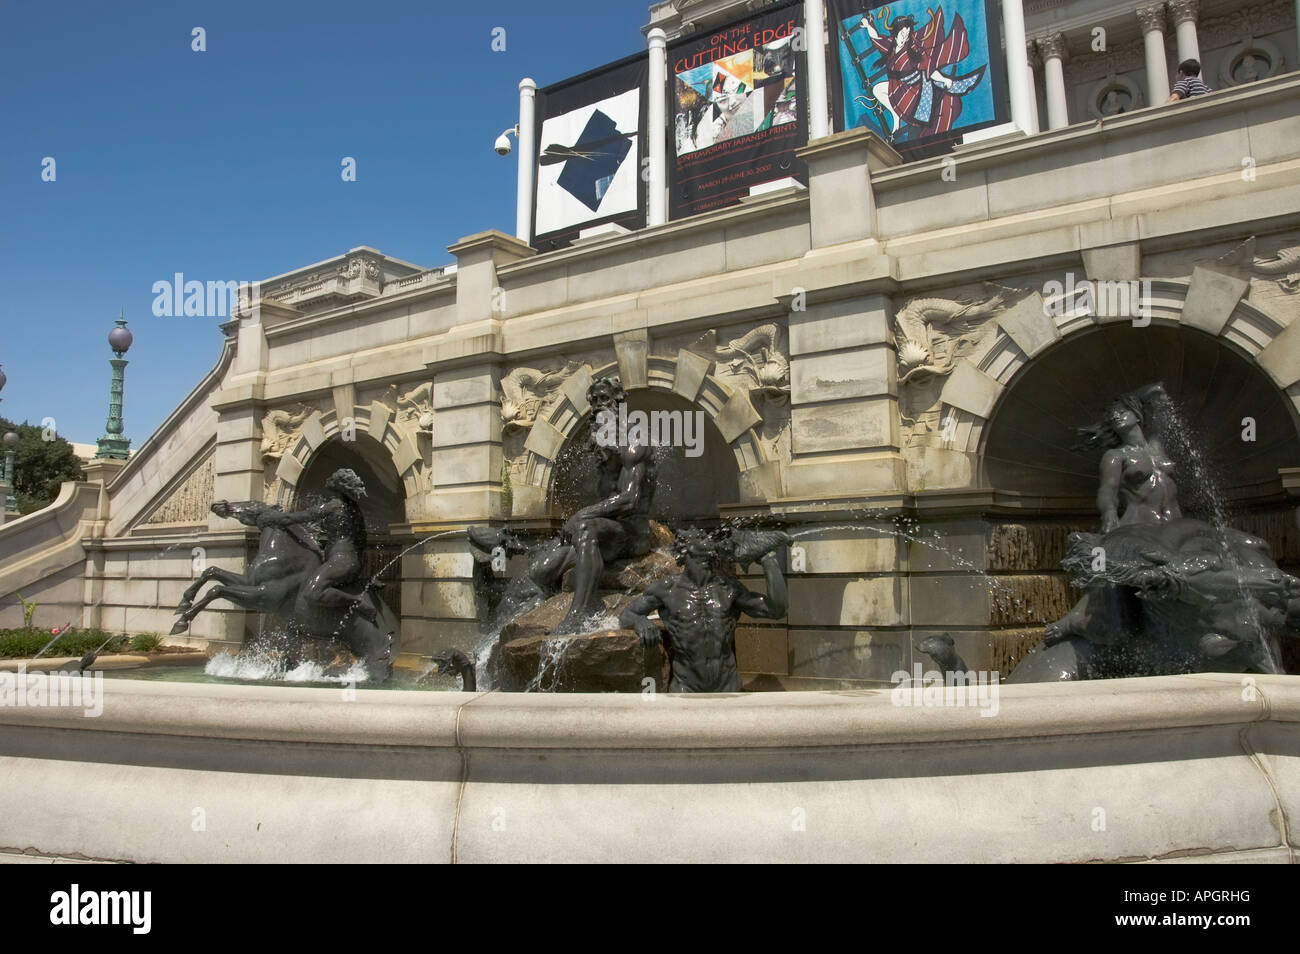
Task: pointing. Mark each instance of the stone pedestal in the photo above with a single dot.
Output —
(102, 470)
(842, 206)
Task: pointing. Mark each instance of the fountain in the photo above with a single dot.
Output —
(307, 577)
(578, 618)
(1163, 593)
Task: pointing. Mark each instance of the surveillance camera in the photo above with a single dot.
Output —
(502, 145)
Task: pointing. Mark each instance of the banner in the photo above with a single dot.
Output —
(738, 110)
(918, 72)
(590, 147)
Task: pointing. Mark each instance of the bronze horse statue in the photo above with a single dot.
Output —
(288, 557)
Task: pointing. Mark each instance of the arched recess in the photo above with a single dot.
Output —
(384, 503)
(1031, 444)
(381, 449)
(686, 488)
(398, 441)
(688, 376)
(1210, 303)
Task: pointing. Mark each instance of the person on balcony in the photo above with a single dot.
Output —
(1189, 82)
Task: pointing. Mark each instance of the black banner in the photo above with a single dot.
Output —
(590, 152)
(738, 110)
(919, 73)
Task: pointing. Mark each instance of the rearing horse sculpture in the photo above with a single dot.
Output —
(288, 555)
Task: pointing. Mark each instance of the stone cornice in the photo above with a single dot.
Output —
(880, 155)
(753, 209)
(492, 242)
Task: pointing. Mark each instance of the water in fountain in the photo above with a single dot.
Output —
(258, 666)
(1207, 497)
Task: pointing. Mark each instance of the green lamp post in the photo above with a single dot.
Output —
(113, 445)
(11, 500)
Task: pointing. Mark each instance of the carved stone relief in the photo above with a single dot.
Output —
(755, 361)
(932, 334)
(280, 428)
(189, 502)
(1250, 61)
(525, 391)
(1282, 267)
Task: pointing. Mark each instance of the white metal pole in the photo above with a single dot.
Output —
(657, 129)
(527, 149)
(815, 44)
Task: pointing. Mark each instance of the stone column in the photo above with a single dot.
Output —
(1035, 61)
(815, 44)
(527, 152)
(844, 431)
(657, 123)
(239, 470)
(1184, 14)
(1054, 53)
(1019, 76)
(1152, 21)
(466, 370)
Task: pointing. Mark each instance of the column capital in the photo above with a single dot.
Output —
(1182, 11)
(1151, 17)
(1031, 54)
(1052, 46)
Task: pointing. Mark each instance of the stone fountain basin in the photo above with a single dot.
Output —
(1177, 767)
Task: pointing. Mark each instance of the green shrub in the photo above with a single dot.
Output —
(25, 642)
(145, 642)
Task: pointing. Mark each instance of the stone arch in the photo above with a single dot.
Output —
(687, 375)
(1211, 302)
(376, 422)
(385, 492)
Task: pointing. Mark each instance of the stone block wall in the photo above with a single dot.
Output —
(134, 585)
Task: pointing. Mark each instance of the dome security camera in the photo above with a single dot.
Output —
(502, 145)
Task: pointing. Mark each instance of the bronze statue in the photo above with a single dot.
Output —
(344, 527)
(700, 607)
(1137, 484)
(1163, 593)
(312, 590)
(547, 562)
(617, 526)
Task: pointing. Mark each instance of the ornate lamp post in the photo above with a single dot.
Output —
(7, 478)
(113, 445)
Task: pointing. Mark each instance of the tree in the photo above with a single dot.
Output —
(40, 465)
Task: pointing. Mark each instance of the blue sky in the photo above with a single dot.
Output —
(225, 164)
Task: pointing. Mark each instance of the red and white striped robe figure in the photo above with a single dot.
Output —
(916, 95)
